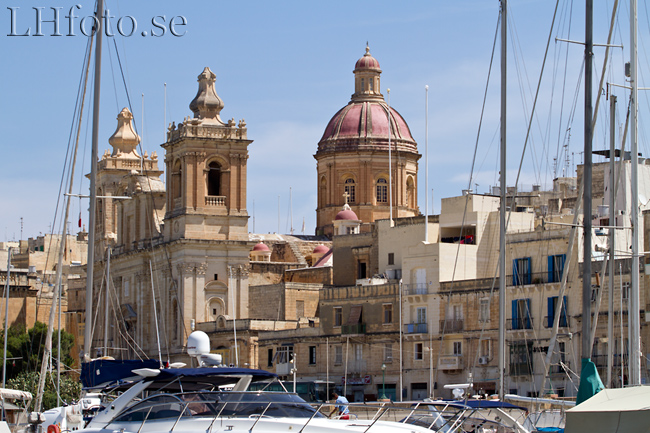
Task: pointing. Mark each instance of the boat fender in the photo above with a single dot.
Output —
(53, 428)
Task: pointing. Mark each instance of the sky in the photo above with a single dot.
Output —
(286, 68)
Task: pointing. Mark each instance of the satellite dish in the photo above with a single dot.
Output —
(458, 393)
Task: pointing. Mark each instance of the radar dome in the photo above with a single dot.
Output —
(198, 343)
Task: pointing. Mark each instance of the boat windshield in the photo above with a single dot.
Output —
(225, 404)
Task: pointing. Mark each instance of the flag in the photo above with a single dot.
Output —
(79, 219)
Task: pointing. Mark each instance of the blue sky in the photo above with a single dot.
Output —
(286, 68)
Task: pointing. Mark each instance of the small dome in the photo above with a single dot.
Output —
(261, 247)
(367, 61)
(346, 214)
(321, 249)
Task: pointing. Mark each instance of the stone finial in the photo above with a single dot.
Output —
(206, 104)
(124, 140)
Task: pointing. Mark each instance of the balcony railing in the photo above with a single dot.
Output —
(416, 289)
(416, 328)
(520, 323)
(215, 200)
(452, 325)
(564, 322)
(533, 278)
(358, 328)
(601, 360)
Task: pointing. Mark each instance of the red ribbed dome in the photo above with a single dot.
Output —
(321, 249)
(364, 125)
(367, 62)
(261, 247)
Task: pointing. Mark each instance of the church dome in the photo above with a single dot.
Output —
(261, 247)
(321, 249)
(367, 120)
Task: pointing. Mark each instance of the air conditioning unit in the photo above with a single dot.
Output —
(483, 360)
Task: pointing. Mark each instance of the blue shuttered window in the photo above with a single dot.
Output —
(522, 271)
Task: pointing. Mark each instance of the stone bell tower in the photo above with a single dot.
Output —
(114, 172)
(206, 161)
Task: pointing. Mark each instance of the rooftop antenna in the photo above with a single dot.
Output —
(21, 228)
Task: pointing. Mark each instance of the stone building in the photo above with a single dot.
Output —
(353, 156)
(190, 242)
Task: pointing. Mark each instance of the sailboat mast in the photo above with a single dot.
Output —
(502, 207)
(635, 316)
(587, 198)
(612, 238)
(88, 334)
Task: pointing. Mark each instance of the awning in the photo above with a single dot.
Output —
(355, 315)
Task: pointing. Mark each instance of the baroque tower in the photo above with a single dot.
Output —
(206, 171)
(353, 158)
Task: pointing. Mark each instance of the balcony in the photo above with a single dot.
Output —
(450, 362)
(521, 323)
(215, 200)
(416, 289)
(416, 328)
(358, 328)
(564, 322)
(558, 368)
(533, 278)
(452, 325)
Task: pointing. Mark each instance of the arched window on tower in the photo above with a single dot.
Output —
(214, 179)
(176, 180)
(410, 193)
(382, 190)
(350, 190)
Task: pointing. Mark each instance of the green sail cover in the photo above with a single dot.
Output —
(590, 383)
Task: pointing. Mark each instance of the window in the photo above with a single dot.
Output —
(350, 191)
(214, 178)
(126, 288)
(419, 349)
(269, 362)
(458, 348)
(421, 314)
(625, 290)
(382, 190)
(521, 271)
(338, 316)
(388, 352)
(552, 306)
(521, 359)
(388, 313)
(338, 355)
(484, 310)
(556, 267)
(176, 179)
(410, 193)
(312, 355)
(358, 352)
(521, 314)
(283, 354)
(391, 258)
